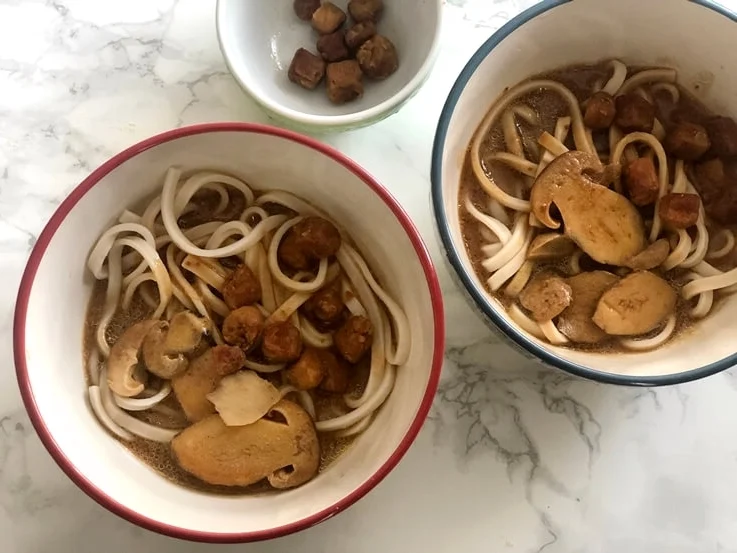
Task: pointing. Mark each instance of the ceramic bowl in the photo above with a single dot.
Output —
(56, 288)
(556, 34)
(258, 40)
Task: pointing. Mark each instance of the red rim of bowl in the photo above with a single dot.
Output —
(26, 285)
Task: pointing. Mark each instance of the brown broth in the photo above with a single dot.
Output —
(580, 79)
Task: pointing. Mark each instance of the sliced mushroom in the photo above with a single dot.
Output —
(576, 320)
(650, 257)
(546, 297)
(123, 374)
(637, 304)
(243, 398)
(202, 377)
(550, 245)
(286, 452)
(168, 344)
(603, 223)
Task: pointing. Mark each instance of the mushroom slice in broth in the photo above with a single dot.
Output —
(637, 304)
(604, 224)
(286, 452)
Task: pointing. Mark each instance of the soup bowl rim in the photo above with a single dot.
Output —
(465, 274)
(68, 205)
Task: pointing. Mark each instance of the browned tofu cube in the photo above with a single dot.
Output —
(600, 111)
(687, 141)
(641, 181)
(359, 33)
(365, 10)
(344, 81)
(378, 57)
(679, 211)
(328, 18)
(332, 47)
(305, 8)
(306, 69)
(723, 135)
(634, 113)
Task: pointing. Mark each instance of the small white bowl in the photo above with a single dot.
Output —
(699, 39)
(56, 288)
(259, 38)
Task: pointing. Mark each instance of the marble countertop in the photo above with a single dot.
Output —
(513, 457)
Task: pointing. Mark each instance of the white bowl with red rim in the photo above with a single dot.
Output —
(55, 290)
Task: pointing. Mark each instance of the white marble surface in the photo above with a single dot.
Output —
(513, 458)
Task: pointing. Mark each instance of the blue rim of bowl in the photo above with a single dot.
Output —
(465, 275)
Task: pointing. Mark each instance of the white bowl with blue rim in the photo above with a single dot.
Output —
(699, 39)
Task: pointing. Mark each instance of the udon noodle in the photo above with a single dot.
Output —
(541, 122)
(178, 253)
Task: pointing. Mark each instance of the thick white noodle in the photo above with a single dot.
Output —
(99, 253)
(130, 290)
(497, 280)
(619, 74)
(357, 428)
(726, 237)
(517, 163)
(498, 228)
(99, 410)
(664, 75)
(214, 303)
(350, 299)
(552, 334)
(679, 254)
(525, 323)
(372, 404)
(705, 301)
(169, 215)
(313, 337)
(717, 282)
(129, 423)
(670, 88)
(112, 297)
(511, 248)
(208, 180)
(658, 340)
(141, 404)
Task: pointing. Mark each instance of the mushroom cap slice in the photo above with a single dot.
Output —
(123, 375)
(202, 377)
(186, 331)
(550, 245)
(243, 398)
(285, 451)
(637, 304)
(575, 322)
(546, 297)
(168, 344)
(650, 257)
(604, 224)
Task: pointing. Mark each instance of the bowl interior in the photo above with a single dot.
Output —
(259, 40)
(556, 34)
(267, 160)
